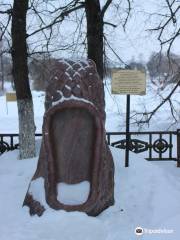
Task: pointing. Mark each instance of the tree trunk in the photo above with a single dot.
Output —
(21, 80)
(95, 34)
(2, 72)
(1, 65)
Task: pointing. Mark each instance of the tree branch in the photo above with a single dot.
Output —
(105, 7)
(57, 20)
(150, 114)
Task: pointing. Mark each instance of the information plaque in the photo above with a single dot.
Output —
(11, 97)
(132, 82)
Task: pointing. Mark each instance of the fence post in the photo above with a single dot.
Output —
(178, 147)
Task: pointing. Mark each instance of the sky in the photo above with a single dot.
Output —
(135, 43)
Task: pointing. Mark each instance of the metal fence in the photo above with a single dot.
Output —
(157, 145)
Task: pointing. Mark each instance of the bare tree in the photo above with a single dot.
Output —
(94, 39)
(163, 68)
(20, 74)
(40, 34)
(19, 51)
(1, 66)
(168, 29)
(40, 69)
(94, 16)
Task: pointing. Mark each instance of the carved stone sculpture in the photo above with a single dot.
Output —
(74, 148)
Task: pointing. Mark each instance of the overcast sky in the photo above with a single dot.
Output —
(136, 42)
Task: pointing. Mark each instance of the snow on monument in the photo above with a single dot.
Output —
(75, 170)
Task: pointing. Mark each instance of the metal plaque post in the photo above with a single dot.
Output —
(128, 82)
(127, 131)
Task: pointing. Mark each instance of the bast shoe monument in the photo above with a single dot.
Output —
(75, 170)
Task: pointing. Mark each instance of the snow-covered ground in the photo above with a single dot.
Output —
(147, 194)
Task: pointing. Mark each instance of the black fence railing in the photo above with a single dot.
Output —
(158, 145)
